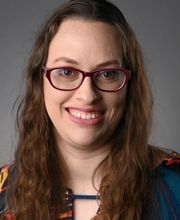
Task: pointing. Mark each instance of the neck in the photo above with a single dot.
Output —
(81, 164)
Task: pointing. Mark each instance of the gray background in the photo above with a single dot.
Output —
(157, 26)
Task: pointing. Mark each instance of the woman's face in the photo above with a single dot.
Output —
(84, 118)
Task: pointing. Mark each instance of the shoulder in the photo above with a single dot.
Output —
(169, 174)
(167, 182)
(5, 173)
(169, 170)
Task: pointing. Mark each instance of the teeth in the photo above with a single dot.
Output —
(93, 116)
(84, 115)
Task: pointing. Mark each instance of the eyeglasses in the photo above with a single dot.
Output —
(68, 78)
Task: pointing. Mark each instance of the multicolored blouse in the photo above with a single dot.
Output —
(166, 180)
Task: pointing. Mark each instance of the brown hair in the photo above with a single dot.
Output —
(38, 177)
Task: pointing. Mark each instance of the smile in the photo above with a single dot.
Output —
(85, 115)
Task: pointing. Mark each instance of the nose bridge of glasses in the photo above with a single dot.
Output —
(89, 74)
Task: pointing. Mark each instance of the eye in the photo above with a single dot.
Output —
(108, 75)
(65, 73)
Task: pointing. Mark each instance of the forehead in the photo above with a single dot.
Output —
(75, 37)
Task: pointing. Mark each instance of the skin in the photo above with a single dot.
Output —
(84, 143)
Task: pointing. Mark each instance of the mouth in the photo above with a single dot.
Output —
(85, 116)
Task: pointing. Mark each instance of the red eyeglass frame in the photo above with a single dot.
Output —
(47, 71)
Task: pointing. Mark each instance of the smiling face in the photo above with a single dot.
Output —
(85, 118)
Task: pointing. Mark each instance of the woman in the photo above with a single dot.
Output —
(84, 124)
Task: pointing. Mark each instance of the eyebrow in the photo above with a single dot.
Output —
(72, 61)
(65, 59)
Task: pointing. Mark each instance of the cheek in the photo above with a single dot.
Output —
(53, 98)
(50, 95)
(117, 100)
(117, 106)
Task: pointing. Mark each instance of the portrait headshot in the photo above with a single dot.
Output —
(89, 110)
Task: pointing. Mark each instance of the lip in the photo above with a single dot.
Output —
(84, 121)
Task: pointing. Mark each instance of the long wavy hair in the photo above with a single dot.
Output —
(38, 180)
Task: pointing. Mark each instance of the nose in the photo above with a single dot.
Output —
(87, 92)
